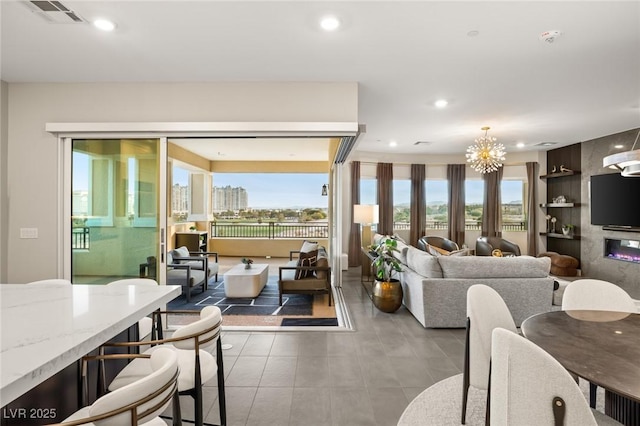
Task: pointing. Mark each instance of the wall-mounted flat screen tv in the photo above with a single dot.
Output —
(615, 200)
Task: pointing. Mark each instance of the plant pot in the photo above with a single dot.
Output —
(247, 266)
(387, 296)
(566, 231)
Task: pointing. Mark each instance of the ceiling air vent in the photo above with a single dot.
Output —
(546, 144)
(422, 143)
(55, 12)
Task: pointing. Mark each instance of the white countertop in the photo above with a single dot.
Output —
(43, 329)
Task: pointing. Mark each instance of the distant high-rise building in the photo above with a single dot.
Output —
(229, 198)
(179, 198)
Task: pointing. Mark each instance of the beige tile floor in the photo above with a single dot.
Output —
(342, 377)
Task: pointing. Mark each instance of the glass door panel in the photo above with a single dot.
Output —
(115, 208)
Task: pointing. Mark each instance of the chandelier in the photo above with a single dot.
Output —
(485, 155)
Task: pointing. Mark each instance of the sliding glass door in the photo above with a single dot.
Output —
(115, 209)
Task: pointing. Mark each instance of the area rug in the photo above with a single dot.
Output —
(309, 322)
(266, 304)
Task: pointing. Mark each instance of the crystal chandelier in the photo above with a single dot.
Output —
(485, 155)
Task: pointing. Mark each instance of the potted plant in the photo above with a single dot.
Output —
(387, 291)
(567, 229)
(247, 262)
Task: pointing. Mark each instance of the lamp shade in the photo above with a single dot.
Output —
(365, 214)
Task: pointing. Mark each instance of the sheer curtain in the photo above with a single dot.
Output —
(456, 174)
(418, 219)
(533, 169)
(355, 238)
(492, 204)
(384, 174)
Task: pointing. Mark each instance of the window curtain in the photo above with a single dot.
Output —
(492, 204)
(355, 238)
(533, 169)
(455, 178)
(418, 219)
(384, 174)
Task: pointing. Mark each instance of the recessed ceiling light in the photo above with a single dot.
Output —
(104, 24)
(473, 33)
(329, 23)
(520, 144)
(441, 103)
(393, 143)
(618, 146)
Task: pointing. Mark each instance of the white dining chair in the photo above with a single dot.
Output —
(197, 365)
(486, 310)
(145, 325)
(140, 402)
(52, 281)
(596, 295)
(530, 387)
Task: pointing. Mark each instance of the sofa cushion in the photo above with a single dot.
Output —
(309, 246)
(494, 267)
(401, 254)
(423, 263)
(306, 259)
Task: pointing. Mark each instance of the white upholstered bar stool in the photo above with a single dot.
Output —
(486, 310)
(145, 325)
(197, 364)
(596, 295)
(139, 403)
(52, 281)
(530, 387)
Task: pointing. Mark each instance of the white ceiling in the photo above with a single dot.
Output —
(404, 55)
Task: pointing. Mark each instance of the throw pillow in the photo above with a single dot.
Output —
(306, 259)
(436, 251)
(309, 246)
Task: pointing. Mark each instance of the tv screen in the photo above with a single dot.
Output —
(615, 200)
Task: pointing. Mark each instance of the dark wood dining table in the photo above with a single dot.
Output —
(602, 347)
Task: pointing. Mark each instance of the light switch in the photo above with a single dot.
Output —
(28, 232)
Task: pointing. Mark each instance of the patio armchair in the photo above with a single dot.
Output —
(297, 278)
(189, 275)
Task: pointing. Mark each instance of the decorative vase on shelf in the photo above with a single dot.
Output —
(566, 230)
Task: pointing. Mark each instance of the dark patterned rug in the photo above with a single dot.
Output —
(265, 304)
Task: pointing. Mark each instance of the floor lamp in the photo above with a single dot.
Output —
(366, 215)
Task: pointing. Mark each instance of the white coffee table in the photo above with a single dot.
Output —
(242, 282)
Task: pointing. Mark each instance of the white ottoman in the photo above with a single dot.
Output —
(241, 282)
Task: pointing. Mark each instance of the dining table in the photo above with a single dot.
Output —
(47, 328)
(602, 347)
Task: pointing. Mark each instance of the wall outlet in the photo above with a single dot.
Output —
(28, 232)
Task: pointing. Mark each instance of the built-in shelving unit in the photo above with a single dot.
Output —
(194, 241)
(558, 205)
(564, 237)
(568, 185)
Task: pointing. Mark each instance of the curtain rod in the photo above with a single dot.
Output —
(431, 164)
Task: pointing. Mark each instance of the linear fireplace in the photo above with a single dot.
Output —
(625, 250)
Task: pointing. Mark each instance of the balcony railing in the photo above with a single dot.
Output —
(269, 230)
(469, 226)
(80, 238)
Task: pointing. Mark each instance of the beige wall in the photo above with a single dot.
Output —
(33, 174)
(4, 201)
(257, 248)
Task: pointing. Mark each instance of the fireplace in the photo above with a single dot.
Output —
(625, 250)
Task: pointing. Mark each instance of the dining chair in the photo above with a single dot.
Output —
(596, 295)
(52, 281)
(197, 364)
(145, 325)
(140, 402)
(530, 387)
(486, 310)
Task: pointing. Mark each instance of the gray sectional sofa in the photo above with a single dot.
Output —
(435, 287)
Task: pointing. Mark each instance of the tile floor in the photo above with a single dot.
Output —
(362, 377)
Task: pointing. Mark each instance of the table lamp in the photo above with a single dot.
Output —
(366, 215)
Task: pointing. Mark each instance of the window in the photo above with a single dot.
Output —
(474, 198)
(437, 199)
(368, 191)
(180, 194)
(401, 204)
(512, 195)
